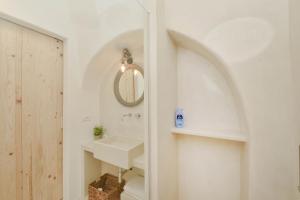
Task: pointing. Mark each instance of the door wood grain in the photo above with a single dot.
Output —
(31, 99)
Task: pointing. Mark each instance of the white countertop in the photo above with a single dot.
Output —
(138, 162)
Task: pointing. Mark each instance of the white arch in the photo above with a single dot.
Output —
(109, 55)
(187, 42)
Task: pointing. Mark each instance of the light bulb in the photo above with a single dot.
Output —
(123, 67)
(135, 72)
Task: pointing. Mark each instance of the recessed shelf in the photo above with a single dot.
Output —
(221, 135)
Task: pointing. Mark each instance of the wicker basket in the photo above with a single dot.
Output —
(111, 188)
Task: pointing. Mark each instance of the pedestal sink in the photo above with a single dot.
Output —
(117, 150)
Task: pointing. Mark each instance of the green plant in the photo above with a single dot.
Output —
(98, 130)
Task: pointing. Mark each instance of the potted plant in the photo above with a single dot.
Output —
(98, 132)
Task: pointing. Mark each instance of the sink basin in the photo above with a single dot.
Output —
(117, 150)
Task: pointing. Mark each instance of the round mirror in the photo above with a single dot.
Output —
(129, 85)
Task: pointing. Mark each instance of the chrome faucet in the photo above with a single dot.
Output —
(127, 115)
(138, 115)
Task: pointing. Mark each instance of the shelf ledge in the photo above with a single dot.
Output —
(221, 135)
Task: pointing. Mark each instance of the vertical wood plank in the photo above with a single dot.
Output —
(42, 65)
(10, 111)
(19, 158)
(60, 63)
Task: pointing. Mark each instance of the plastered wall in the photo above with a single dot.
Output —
(114, 116)
(295, 49)
(86, 27)
(253, 39)
(166, 91)
(262, 73)
(207, 165)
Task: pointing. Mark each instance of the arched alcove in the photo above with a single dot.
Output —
(110, 55)
(218, 77)
(98, 84)
(215, 133)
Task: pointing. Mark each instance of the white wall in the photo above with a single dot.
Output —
(214, 173)
(166, 91)
(53, 16)
(263, 77)
(295, 52)
(86, 27)
(204, 94)
(262, 72)
(97, 22)
(112, 111)
(207, 165)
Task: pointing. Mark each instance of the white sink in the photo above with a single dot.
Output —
(118, 150)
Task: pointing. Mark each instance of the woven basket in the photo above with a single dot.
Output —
(111, 188)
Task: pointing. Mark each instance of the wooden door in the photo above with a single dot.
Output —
(10, 111)
(34, 118)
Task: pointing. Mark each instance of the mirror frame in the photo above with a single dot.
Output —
(116, 86)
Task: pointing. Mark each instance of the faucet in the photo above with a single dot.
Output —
(127, 115)
(138, 115)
